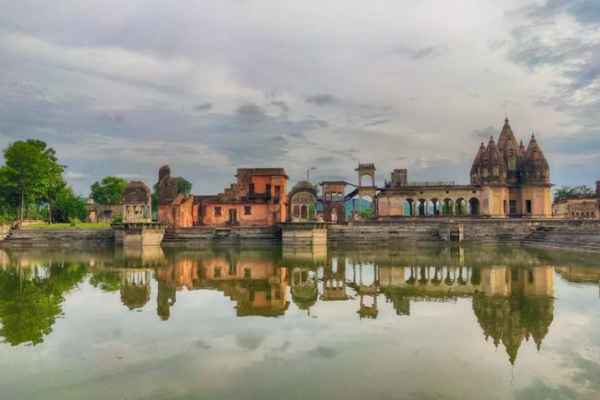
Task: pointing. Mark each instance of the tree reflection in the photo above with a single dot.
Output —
(31, 299)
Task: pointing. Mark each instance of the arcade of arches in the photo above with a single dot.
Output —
(430, 202)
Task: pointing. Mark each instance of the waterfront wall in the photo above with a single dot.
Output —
(578, 234)
(59, 238)
(572, 234)
(204, 236)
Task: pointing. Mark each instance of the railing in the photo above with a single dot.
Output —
(431, 183)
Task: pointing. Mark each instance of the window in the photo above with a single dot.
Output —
(247, 273)
(296, 211)
(268, 191)
(247, 210)
(218, 211)
(528, 206)
(251, 188)
(277, 193)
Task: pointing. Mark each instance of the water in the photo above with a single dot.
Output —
(386, 323)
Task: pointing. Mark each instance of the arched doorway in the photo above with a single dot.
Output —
(461, 206)
(448, 207)
(422, 208)
(474, 206)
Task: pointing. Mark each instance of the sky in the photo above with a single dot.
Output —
(121, 88)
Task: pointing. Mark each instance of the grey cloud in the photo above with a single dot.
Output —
(584, 11)
(203, 107)
(484, 133)
(417, 53)
(282, 105)
(377, 122)
(251, 112)
(322, 99)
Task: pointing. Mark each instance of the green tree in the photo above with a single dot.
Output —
(31, 171)
(109, 190)
(68, 206)
(183, 185)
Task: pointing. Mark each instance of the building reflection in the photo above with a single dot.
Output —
(255, 282)
(511, 292)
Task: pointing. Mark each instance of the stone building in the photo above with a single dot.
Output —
(137, 203)
(102, 213)
(507, 180)
(579, 207)
(258, 198)
(334, 199)
(174, 209)
(302, 205)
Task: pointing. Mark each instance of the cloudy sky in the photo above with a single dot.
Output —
(122, 87)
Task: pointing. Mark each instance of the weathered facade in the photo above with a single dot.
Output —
(137, 203)
(302, 200)
(507, 180)
(580, 207)
(174, 209)
(333, 199)
(103, 213)
(258, 198)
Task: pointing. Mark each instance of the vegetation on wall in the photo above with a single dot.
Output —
(568, 192)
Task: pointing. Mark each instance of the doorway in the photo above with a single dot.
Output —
(233, 216)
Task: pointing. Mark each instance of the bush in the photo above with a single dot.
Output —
(74, 222)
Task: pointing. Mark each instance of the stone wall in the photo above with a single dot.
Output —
(203, 236)
(60, 238)
(580, 234)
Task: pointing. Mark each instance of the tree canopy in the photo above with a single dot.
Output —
(31, 175)
(109, 190)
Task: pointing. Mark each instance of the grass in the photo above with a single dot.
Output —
(67, 226)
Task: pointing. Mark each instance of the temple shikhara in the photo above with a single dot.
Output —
(507, 179)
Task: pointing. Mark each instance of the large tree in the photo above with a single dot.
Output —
(31, 171)
(109, 190)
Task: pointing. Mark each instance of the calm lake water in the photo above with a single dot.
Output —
(376, 323)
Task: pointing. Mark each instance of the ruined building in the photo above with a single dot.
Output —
(258, 198)
(174, 209)
(137, 203)
(507, 180)
(579, 207)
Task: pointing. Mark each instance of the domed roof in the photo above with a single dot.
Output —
(136, 192)
(303, 185)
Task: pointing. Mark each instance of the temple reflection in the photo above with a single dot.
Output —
(511, 291)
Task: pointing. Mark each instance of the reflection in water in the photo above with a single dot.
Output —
(511, 290)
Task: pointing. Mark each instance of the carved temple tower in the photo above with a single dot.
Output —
(514, 180)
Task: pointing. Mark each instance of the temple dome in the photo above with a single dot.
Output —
(535, 167)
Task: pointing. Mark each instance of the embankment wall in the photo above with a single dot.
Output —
(59, 238)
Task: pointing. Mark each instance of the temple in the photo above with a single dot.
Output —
(507, 180)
